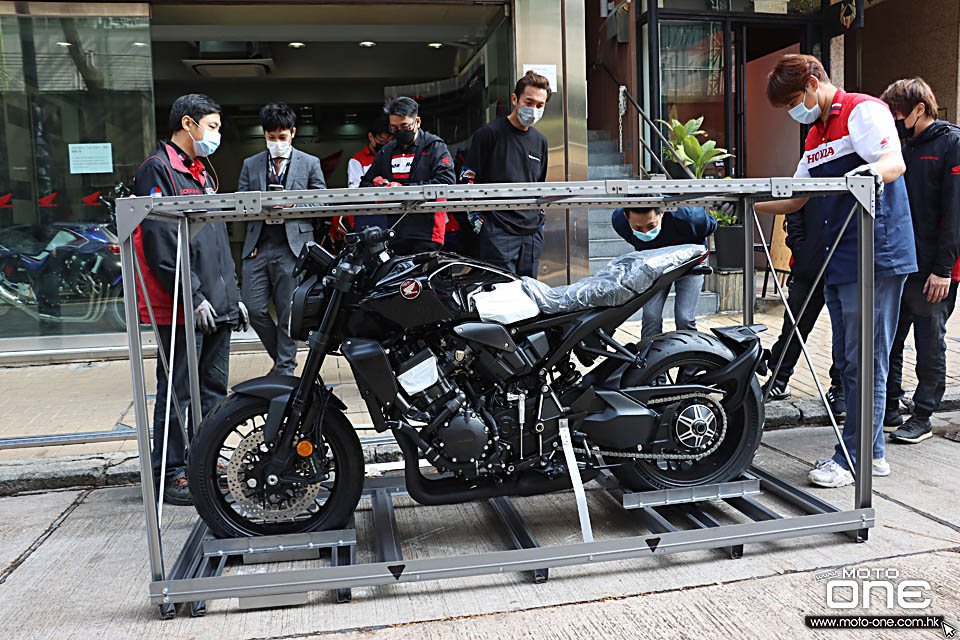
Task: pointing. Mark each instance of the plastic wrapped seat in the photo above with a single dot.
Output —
(620, 281)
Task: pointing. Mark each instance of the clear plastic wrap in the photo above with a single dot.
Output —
(616, 284)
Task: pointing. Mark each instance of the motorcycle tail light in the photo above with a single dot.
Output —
(114, 248)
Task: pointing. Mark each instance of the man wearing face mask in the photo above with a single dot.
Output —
(932, 153)
(653, 228)
(378, 134)
(510, 150)
(270, 250)
(850, 134)
(175, 169)
(413, 157)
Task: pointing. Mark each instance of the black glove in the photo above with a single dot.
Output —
(243, 321)
(867, 170)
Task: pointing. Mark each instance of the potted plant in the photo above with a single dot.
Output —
(694, 155)
(729, 241)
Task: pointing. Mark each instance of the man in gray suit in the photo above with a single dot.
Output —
(270, 250)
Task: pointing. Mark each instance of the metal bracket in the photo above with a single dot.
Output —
(435, 191)
(781, 187)
(863, 188)
(615, 187)
(134, 211)
(248, 202)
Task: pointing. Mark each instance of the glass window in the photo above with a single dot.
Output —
(792, 7)
(692, 79)
(76, 119)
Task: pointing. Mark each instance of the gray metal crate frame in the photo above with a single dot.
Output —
(196, 577)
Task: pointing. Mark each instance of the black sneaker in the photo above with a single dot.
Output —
(778, 390)
(892, 418)
(917, 429)
(837, 402)
(176, 489)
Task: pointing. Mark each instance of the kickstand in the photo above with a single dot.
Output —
(585, 528)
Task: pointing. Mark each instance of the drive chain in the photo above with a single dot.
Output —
(671, 456)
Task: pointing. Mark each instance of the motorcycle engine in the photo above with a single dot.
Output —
(472, 431)
(452, 425)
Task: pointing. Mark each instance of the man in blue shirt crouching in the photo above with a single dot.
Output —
(654, 228)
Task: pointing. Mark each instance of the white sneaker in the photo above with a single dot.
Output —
(829, 474)
(881, 467)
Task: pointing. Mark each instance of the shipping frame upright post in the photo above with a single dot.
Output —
(191, 212)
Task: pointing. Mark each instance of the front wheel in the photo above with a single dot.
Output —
(228, 485)
(676, 358)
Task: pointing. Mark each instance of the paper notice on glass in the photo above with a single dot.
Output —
(96, 157)
(547, 70)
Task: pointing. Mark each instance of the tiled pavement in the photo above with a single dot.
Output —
(71, 398)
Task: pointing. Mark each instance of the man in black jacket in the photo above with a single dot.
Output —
(932, 154)
(413, 157)
(175, 169)
(511, 150)
(805, 240)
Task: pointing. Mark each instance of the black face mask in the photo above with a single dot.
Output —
(903, 130)
(376, 147)
(403, 137)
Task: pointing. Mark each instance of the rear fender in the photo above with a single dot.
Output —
(736, 377)
(277, 389)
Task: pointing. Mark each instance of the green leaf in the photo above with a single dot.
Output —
(693, 125)
(709, 146)
(679, 132)
(693, 149)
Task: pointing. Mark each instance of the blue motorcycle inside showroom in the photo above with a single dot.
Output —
(479, 373)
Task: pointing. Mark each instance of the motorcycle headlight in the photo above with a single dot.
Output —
(306, 308)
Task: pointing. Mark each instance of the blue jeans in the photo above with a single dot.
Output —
(842, 301)
(684, 307)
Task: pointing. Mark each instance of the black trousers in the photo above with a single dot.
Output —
(798, 291)
(519, 254)
(213, 364)
(929, 321)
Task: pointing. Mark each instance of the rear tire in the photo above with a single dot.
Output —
(681, 355)
(238, 419)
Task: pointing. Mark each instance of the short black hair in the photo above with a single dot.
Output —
(402, 106)
(277, 116)
(195, 105)
(379, 126)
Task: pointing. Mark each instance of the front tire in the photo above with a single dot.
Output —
(230, 441)
(675, 358)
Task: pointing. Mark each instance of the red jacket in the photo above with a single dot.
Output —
(213, 273)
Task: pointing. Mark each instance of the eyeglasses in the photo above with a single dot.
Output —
(405, 126)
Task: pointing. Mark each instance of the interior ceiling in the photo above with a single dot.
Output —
(331, 33)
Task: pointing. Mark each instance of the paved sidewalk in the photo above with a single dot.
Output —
(95, 396)
(73, 565)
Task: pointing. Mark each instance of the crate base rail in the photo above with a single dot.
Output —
(422, 570)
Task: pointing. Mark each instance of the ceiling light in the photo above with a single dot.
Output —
(63, 44)
(435, 45)
(368, 44)
(139, 44)
(296, 45)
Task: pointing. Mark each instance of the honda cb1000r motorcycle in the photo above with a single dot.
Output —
(476, 371)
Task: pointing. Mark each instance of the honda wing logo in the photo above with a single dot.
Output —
(410, 289)
(5, 201)
(92, 200)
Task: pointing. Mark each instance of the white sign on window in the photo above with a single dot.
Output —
(96, 157)
(549, 71)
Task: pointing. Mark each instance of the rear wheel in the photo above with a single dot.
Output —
(676, 358)
(228, 485)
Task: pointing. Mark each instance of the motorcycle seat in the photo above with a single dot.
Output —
(620, 281)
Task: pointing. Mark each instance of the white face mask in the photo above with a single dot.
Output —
(279, 148)
(529, 116)
(804, 114)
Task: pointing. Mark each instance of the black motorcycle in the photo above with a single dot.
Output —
(476, 371)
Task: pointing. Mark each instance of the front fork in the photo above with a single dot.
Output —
(300, 401)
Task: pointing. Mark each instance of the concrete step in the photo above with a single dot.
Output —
(608, 248)
(600, 216)
(602, 231)
(597, 134)
(602, 146)
(604, 158)
(609, 172)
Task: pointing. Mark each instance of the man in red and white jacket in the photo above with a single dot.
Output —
(175, 169)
